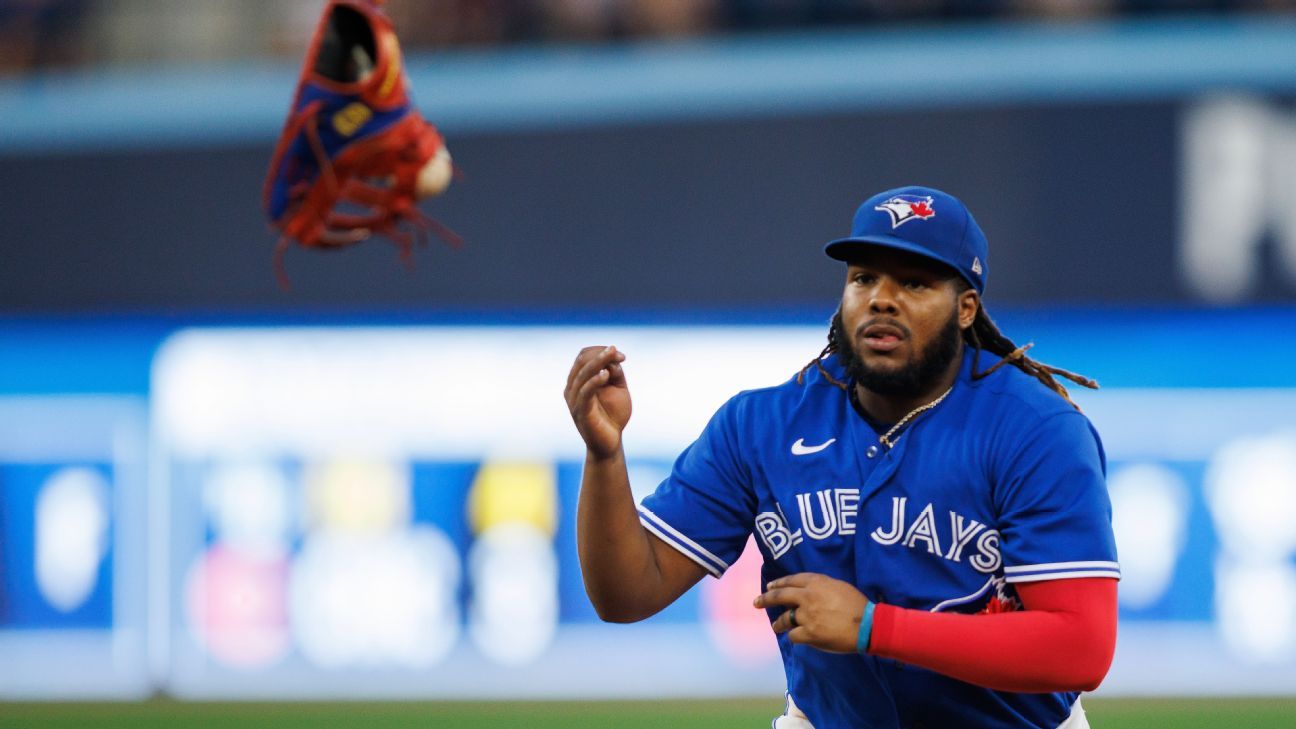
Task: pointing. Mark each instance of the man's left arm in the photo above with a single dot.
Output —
(1063, 639)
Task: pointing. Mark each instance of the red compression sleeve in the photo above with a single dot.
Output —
(1062, 640)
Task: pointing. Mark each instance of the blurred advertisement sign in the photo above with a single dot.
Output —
(388, 512)
(72, 547)
(361, 511)
(1238, 199)
(1203, 487)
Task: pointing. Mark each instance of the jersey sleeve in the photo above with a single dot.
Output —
(705, 507)
(1055, 513)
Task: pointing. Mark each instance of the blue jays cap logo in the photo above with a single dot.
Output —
(903, 208)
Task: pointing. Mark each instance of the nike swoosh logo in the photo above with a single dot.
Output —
(799, 448)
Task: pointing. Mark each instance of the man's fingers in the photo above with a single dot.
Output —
(789, 596)
(595, 362)
(781, 624)
(616, 375)
(582, 358)
(800, 579)
(584, 400)
(798, 631)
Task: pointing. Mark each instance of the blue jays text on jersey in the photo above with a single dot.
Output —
(1001, 483)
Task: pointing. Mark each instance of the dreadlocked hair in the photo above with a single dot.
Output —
(983, 335)
(828, 350)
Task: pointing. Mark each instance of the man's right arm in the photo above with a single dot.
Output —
(629, 573)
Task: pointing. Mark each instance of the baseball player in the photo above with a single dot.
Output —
(930, 505)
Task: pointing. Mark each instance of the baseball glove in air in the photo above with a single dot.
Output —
(354, 155)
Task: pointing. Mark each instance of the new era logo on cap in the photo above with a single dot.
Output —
(904, 208)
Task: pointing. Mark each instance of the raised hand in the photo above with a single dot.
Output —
(599, 399)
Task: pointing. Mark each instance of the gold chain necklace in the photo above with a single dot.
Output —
(886, 439)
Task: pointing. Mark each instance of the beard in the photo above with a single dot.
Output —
(910, 380)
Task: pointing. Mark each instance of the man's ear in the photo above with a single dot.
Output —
(968, 304)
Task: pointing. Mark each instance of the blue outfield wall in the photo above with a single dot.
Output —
(239, 471)
(1103, 161)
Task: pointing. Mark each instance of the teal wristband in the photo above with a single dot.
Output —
(865, 630)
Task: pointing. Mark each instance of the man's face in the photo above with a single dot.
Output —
(901, 321)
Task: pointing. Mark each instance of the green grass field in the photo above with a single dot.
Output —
(745, 714)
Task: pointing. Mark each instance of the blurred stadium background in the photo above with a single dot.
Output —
(223, 503)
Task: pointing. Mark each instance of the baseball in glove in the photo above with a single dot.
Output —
(355, 155)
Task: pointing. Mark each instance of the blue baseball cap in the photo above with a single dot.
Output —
(920, 220)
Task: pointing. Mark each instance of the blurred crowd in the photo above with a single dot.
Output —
(36, 34)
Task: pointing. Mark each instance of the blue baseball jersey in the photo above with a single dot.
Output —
(1003, 482)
